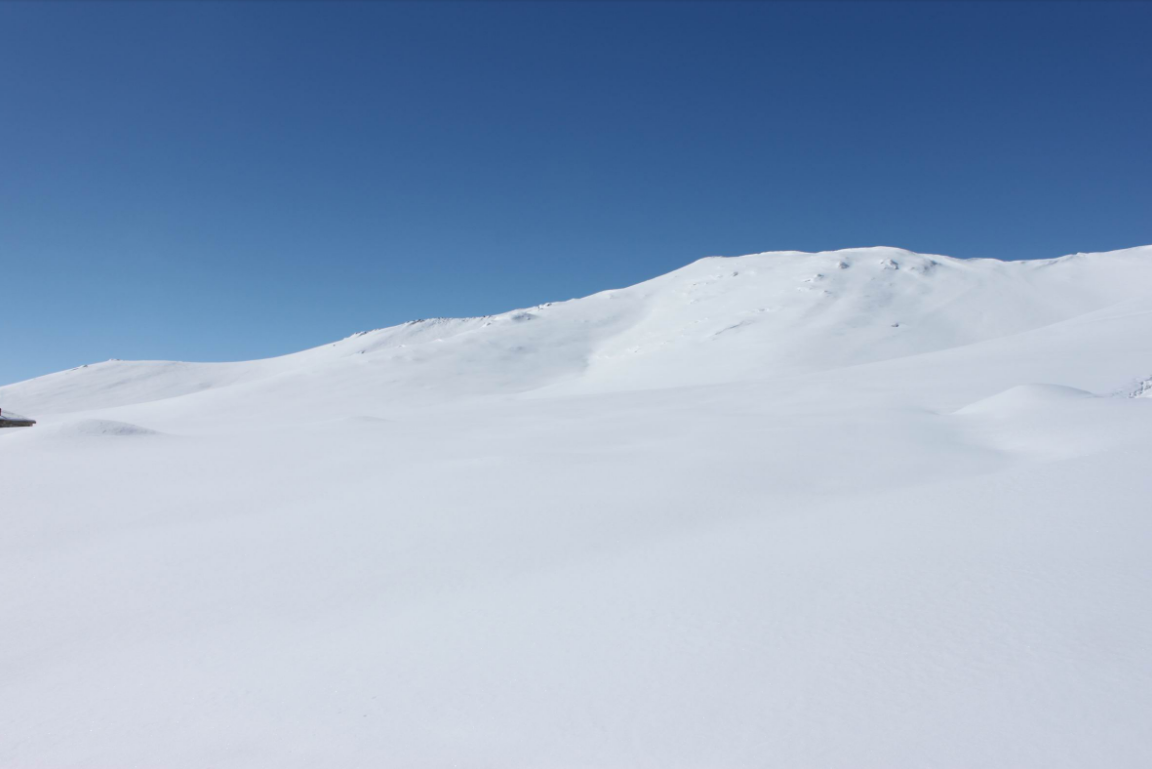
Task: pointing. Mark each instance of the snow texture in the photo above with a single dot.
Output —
(866, 508)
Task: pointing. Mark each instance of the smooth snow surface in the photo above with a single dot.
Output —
(867, 508)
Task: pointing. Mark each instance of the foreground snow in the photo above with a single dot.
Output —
(855, 509)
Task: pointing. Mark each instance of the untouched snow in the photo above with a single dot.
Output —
(866, 508)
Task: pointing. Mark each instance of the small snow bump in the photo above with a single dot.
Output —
(98, 427)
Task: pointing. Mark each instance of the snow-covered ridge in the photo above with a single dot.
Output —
(719, 319)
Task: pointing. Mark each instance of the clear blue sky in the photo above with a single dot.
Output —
(221, 181)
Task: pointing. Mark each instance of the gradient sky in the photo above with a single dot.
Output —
(222, 181)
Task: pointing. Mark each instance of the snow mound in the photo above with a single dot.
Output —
(358, 419)
(1025, 398)
(99, 428)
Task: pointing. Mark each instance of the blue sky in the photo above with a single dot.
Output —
(222, 181)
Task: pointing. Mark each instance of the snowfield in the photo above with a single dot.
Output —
(864, 508)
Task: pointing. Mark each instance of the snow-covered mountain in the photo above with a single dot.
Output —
(846, 509)
(718, 320)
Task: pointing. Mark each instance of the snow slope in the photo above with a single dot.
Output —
(863, 508)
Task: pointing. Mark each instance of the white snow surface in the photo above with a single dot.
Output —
(864, 508)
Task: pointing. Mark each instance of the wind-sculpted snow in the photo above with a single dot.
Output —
(865, 508)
